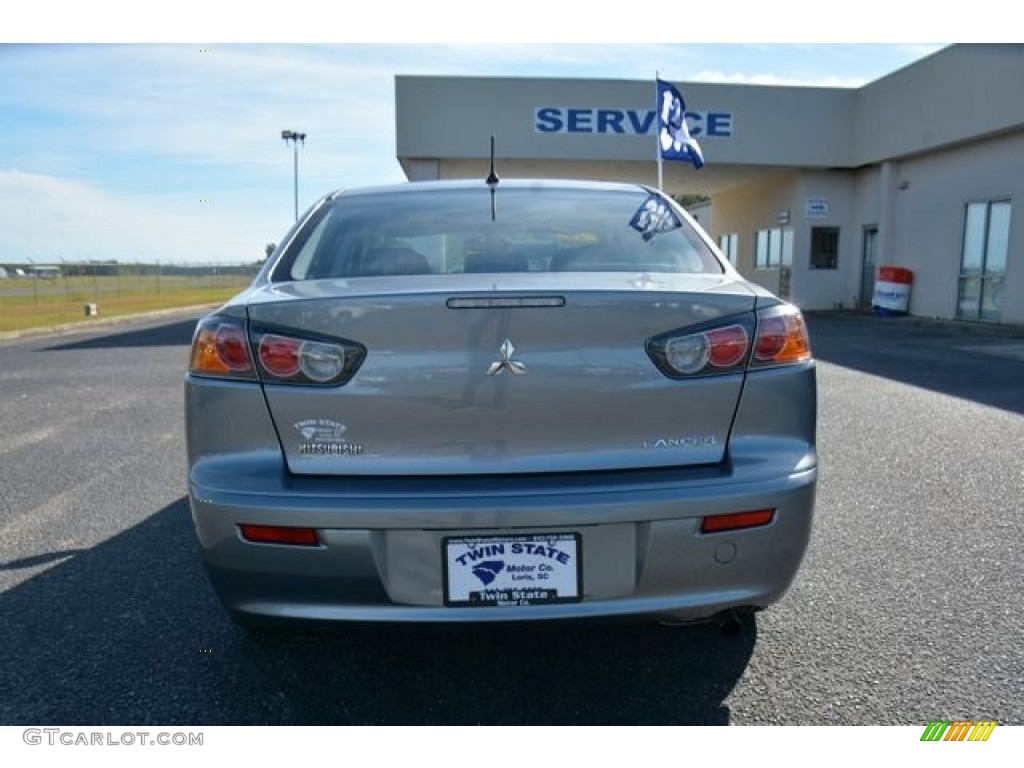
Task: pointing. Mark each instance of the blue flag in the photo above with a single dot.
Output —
(653, 216)
(674, 139)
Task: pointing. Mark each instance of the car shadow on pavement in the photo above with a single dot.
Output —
(173, 334)
(975, 362)
(129, 633)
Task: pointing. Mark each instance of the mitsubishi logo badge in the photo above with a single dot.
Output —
(506, 363)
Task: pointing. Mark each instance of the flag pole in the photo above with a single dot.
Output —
(657, 131)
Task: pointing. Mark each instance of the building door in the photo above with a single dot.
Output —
(868, 266)
(983, 260)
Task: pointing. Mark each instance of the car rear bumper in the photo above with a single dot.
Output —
(379, 556)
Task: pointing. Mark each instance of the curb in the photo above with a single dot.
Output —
(103, 322)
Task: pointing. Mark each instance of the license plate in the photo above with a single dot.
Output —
(522, 569)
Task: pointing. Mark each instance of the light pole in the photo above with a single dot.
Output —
(295, 138)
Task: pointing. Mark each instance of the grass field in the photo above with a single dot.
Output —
(26, 304)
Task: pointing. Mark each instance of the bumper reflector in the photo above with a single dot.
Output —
(275, 534)
(737, 521)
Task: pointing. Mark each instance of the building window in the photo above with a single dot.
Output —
(773, 248)
(983, 259)
(824, 247)
(730, 246)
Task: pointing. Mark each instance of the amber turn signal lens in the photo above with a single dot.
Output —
(781, 337)
(204, 354)
(220, 349)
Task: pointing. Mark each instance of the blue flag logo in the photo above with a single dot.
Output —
(654, 216)
(674, 139)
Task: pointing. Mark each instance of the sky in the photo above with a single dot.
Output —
(173, 150)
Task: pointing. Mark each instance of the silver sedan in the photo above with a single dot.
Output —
(471, 402)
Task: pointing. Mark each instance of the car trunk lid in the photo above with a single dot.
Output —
(503, 373)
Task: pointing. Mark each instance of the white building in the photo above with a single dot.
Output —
(812, 188)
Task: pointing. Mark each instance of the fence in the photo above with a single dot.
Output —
(53, 283)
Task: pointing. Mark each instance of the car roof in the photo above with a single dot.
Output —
(455, 184)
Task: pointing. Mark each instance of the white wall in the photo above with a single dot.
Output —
(826, 288)
(929, 220)
(747, 208)
(957, 94)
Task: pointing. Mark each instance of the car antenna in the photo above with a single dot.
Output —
(492, 181)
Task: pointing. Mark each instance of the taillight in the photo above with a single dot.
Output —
(286, 359)
(219, 348)
(279, 355)
(781, 337)
(320, 361)
(721, 349)
(770, 337)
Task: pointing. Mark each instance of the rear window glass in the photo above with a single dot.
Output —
(441, 231)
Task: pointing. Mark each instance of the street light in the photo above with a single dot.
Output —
(296, 138)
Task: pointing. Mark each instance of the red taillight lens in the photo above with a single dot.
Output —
(781, 337)
(737, 521)
(232, 348)
(277, 534)
(220, 349)
(290, 360)
(727, 346)
(279, 355)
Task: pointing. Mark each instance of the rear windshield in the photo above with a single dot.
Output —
(439, 231)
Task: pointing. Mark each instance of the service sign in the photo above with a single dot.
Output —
(816, 208)
(528, 569)
(635, 122)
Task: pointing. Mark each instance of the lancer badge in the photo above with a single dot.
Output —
(506, 363)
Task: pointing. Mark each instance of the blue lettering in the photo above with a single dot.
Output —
(579, 120)
(631, 121)
(609, 119)
(549, 120)
(719, 124)
(639, 126)
(517, 549)
(693, 123)
(476, 554)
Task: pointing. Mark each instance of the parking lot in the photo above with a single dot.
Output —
(908, 607)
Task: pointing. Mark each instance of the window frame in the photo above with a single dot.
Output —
(778, 247)
(986, 282)
(729, 245)
(831, 264)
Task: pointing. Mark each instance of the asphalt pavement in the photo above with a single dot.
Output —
(908, 607)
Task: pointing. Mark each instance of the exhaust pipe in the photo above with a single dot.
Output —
(729, 623)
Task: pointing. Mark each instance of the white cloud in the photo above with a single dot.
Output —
(832, 81)
(227, 106)
(49, 219)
